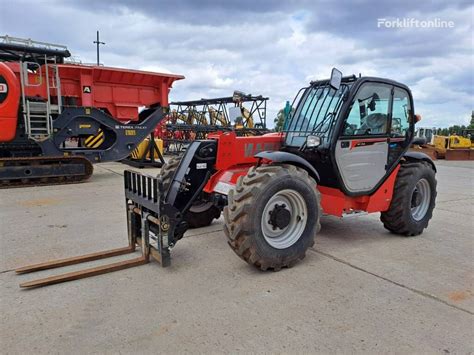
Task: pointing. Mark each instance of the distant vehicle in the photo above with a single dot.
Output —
(427, 133)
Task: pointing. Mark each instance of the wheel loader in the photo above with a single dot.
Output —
(344, 152)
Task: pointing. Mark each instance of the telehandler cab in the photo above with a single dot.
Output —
(344, 151)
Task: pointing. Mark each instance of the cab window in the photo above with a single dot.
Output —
(401, 113)
(369, 112)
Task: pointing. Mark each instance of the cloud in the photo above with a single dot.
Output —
(268, 47)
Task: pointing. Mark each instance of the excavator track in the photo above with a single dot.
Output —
(40, 171)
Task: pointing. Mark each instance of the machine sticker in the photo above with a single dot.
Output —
(201, 166)
(3, 89)
(83, 125)
(251, 149)
(86, 89)
(94, 141)
(153, 239)
(134, 127)
(365, 142)
(130, 132)
(223, 188)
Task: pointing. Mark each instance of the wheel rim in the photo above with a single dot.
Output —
(420, 199)
(294, 203)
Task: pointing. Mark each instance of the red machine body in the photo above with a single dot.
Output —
(9, 101)
(119, 92)
(236, 157)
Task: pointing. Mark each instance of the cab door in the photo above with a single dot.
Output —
(401, 125)
(362, 150)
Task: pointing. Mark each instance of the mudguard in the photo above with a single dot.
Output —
(290, 158)
(414, 156)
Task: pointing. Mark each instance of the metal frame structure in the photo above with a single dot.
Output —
(147, 158)
(190, 120)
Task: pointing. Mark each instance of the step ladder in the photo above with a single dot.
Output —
(38, 121)
(37, 115)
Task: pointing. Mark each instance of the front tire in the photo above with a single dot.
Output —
(413, 201)
(272, 216)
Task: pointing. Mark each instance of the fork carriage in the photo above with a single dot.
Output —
(146, 230)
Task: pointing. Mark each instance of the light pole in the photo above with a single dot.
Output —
(98, 42)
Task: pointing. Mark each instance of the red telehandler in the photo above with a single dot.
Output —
(58, 118)
(344, 152)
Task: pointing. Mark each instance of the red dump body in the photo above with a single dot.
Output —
(121, 92)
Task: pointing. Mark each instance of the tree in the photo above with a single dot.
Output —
(456, 129)
(279, 120)
(281, 117)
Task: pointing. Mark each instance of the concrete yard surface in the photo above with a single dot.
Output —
(360, 289)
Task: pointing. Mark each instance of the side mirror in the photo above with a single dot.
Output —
(312, 142)
(336, 78)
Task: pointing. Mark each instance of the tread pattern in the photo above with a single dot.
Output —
(240, 207)
(167, 171)
(397, 218)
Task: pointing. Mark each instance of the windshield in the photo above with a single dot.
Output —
(315, 114)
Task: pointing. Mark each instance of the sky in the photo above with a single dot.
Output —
(270, 48)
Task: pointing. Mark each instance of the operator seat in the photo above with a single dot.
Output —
(376, 123)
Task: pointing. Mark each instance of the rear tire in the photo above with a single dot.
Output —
(255, 202)
(201, 213)
(413, 200)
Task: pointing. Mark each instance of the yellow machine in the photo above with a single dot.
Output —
(245, 120)
(443, 143)
(453, 147)
(143, 148)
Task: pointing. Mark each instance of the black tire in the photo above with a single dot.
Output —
(201, 213)
(244, 212)
(398, 218)
(167, 171)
